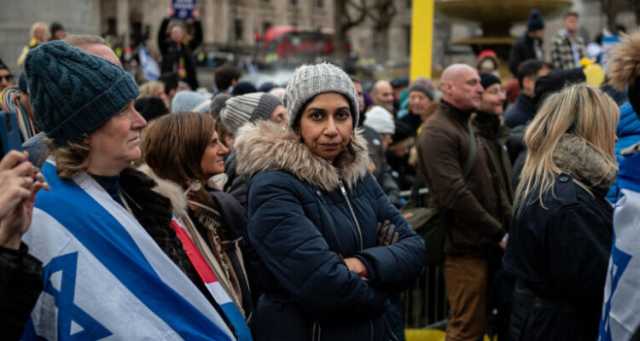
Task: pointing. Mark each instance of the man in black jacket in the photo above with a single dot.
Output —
(524, 108)
(529, 46)
(177, 49)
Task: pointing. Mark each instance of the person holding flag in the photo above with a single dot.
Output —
(113, 261)
(621, 309)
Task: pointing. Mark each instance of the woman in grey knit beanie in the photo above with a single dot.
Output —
(335, 251)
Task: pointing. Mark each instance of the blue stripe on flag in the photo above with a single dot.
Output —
(112, 245)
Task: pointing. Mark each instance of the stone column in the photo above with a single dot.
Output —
(123, 21)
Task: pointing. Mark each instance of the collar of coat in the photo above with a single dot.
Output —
(578, 157)
(265, 146)
(169, 190)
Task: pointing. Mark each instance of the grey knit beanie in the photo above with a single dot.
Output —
(309, 81)
(74, 93)
(247, 108)
(187, 101)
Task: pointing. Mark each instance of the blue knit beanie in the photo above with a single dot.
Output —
(74, 93)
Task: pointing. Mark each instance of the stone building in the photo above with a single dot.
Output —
(236, 23)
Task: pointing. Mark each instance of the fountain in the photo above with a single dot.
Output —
(496, 18)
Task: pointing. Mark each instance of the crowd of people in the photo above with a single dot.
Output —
(159, 210)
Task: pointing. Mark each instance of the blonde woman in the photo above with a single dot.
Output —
(37, 36)
(562, 231)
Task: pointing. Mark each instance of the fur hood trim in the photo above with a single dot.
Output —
(268, 146)
(576, 156)
(168, 189)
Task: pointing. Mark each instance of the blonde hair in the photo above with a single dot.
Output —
(581, 110)
(151, 88)
(71, 158)
(38, 25)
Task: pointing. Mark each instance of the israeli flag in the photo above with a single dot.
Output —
(621, 310)
(105, 277)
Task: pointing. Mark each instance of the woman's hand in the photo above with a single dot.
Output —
(355, 265)
(19, 183)
(387, 233)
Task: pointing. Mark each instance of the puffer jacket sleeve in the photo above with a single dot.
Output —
(393, 267)
(295, 252)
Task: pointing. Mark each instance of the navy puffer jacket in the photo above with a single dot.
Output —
(305, 217)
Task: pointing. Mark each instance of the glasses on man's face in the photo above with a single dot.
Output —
(6, 78)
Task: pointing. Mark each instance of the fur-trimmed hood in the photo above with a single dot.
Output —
(268, 146)
(576, 156)
(168, 189)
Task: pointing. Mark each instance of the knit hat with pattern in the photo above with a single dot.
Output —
(250, 107)
(309, 81)
(74, 93)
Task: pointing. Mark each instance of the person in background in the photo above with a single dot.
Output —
(238, 111)
(37, 36)
(226, 77)
(382, 95)
(188, 101)
(628, 130)
(470, 202)
(6, 77)
(568, 48)
(170, 81)
(56, 31)
(154, 89)
(523, 109)
(243, 88)
(399, 86)
(380, 120)
(490, 127)
(561, 235)
(487, 62)
(182, 151)
(421, 99)
(621, 294)
(529, 46)
(317, 217)
(20, 272)
(151, 107)
(177, 46)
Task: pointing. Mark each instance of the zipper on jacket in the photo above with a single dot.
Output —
(353, 215)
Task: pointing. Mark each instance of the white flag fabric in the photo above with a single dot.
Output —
(621, 310)
(105, 277)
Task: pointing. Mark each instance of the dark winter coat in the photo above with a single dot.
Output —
(559, 252)
(154, 212)
(236, 185)
(305, 217)
(521, 112)
(173, 54)
(474, 214)
(523, 49)
(20, 287)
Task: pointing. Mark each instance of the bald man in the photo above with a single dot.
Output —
(94, 45)
(466, 196)
(382, 94)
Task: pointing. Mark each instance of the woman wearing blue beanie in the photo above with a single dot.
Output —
(335, 251)
(116, 262)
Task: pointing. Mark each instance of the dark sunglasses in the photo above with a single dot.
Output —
(8, 78)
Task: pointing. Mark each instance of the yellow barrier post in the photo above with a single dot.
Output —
(422, 18)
